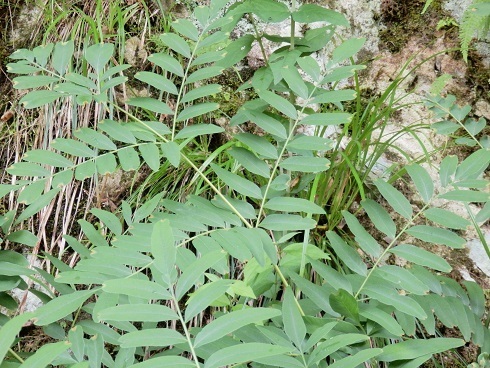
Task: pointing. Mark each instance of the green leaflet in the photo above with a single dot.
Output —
(345, 304)
(46, 354)
(163, 250)
(176, 43)
(279, 103)
(267, 10)
(186, 28)
(421, 257)
(382, 318)
(33, 81)
(473, 165)
(9, 331)
(36, 99)
(412, 349)
(151, 104)
(200, 92)
(310, 13)
(366, 242)
(395, 199)
(294, 326)
(117, 131)
(62, 54)
(260, 145)
(168, 63)
(231, 322)
(37, 205)
(61, 306)
(171, 151)
(268, 123)
(128, 158)
(446, 218)
(151, 337)
(195, 270)
(158, 81)
(380, 218)
(347, 49)
(237, 183)
(72, 147)
(204, 296)
(204, 74)
(357, 359)
(196, 110)
(242, 353)
(250, 162)
(151, 155)
(422, 181)
(23, 237)
(437, 235)
(280, 222)
(333, 344)
(192, 131)
(27, 169)
(306, 164)
(138, 288)
(138, 312)
(291, 204)
(95, 139)
(348, 255)
(99, 55)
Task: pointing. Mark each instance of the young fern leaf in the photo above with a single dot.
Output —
(472, 21)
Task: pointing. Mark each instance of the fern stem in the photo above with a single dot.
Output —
(286, 284)
(16, 356)
(184, 327)
(392, 243)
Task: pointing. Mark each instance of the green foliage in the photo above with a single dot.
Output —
(224, 278)
(476, 19)
(483, 361)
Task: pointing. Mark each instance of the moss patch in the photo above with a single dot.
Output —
(403, 19)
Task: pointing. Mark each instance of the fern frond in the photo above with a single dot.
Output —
(472, 22)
